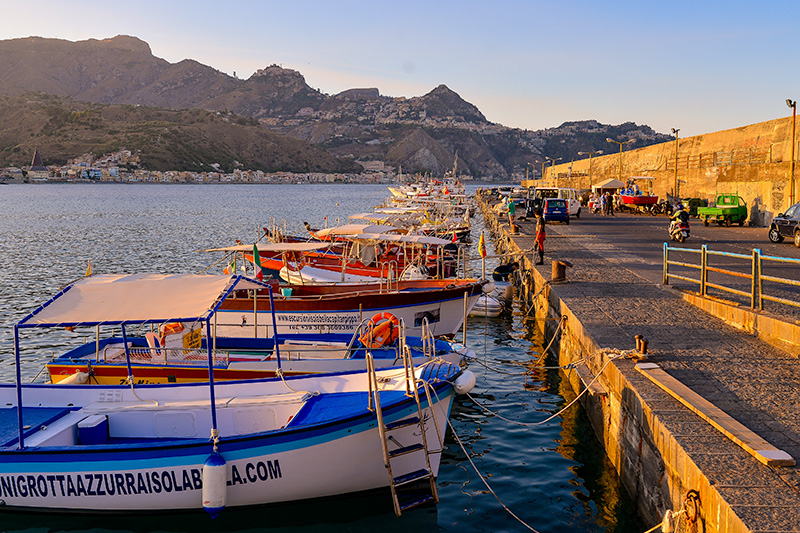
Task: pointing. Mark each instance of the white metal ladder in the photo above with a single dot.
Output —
(401, 499)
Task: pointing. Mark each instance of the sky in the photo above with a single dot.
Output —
(698, 66)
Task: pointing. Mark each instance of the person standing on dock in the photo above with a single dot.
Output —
(512, 209)
(540, 236)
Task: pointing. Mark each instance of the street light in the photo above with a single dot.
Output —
(620, 143)
(590, 154)
(793, 105)
(527, 169)
(546, 159)
(675, 190)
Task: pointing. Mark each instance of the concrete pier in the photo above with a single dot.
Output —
(667, 455)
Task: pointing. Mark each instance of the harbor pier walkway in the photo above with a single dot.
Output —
(664, 452)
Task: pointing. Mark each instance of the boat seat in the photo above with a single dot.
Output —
(33, 418)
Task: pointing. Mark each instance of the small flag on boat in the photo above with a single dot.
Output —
(89, 269)
(454, 236)
(257, 263)
(482, 246)
(231, 268)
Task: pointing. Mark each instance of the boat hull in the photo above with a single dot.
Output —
(296, 462)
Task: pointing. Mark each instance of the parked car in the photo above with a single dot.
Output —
(786, 225)
(555, 210)
(566, 193)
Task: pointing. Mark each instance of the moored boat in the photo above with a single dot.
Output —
(147, 448)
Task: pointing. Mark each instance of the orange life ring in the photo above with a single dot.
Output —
(382, 329)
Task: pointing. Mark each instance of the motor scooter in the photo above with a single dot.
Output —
(678, 230)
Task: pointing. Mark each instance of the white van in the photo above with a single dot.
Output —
(567, 193)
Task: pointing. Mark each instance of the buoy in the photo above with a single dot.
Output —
(215, 477)
(464, 383)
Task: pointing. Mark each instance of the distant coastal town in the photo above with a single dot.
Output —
(123, 167)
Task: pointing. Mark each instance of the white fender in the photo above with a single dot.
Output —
(78, 378)
(465, 382)
(215, 477)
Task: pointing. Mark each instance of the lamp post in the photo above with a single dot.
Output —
(546, 159)
(620, 143)
(675, 190)
(590, 154)
(793, 105)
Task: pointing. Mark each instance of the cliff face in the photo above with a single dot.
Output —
(357, 123)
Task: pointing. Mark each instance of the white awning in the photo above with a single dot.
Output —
(354, 229)
(413, 239)
(136, 298)
(273, 247)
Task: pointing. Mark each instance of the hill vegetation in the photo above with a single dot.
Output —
(166, 139)
(207, 116)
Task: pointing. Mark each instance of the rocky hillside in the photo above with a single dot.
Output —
(422, 133)
(166, 139)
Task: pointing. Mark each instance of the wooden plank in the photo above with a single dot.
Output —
(588, 380)
(737, 432)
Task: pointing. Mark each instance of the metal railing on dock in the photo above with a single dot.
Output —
(757, 261)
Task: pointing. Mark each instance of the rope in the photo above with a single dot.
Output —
(560, 326)
(483, 479)
(279, 373)
(554, 415)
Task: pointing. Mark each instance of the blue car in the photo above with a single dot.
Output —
(555, 210)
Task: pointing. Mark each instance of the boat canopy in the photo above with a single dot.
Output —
(278, 247)
(137, 299)
(394, 237)
(355, 229)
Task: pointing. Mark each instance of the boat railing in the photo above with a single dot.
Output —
(391, 277)
(170, 356)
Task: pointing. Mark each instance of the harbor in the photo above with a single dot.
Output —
(694, 408)
(559, 461)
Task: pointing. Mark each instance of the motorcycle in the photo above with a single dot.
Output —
(678, 230)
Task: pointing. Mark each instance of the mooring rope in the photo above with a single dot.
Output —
(481, 476)
(554, 415)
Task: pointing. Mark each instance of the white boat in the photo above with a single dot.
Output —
(211, 445)
(487, 306)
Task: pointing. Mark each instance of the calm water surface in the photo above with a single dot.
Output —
(554, 477)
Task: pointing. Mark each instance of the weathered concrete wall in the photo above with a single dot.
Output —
(752, 160)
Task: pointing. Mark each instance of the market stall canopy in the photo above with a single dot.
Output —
(610, 183)
(136, 299)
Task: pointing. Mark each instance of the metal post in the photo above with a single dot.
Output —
(19, 387)
(793, 105)
(675, 190)
(666, 264)
(703, 269)
(756, 278)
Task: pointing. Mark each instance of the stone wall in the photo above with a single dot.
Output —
(753, 161)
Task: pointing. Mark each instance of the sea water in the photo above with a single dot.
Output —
(502, 468)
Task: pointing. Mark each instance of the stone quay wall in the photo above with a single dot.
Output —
(753, 161)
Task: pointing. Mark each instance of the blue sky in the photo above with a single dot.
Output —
(694, 65)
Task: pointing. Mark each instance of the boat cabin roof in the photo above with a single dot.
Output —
(137, 299)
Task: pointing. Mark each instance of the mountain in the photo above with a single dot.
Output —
(422, 133)
(166, 139)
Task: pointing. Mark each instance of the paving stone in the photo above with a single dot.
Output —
(752, 381)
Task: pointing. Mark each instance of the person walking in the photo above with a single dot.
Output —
(603, 203)
(512, 210)
(540, 236)
(610, 205)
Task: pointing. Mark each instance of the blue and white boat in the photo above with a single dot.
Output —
(110, 448)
